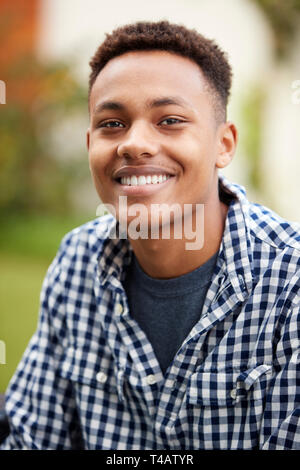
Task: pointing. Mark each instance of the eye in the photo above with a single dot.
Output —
(111, 124)
(170, 121)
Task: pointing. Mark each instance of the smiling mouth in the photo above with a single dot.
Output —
(142, 180)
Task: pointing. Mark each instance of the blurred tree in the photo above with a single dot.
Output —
(284, 19)
(38, 96)
(251, 109)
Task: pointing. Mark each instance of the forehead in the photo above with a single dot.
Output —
(149, 73)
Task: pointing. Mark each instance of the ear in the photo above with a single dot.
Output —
(88, 138)
(227, 142)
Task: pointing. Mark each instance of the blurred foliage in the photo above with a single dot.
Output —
(251, 111)
(284, 18)
(36, 235)
(39, 95)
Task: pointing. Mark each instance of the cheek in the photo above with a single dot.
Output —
(98, 163)
(100, 149)
(200, 155)
(97, 176)
(193, 147)
(95, 164)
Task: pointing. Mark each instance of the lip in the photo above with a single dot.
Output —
(142, 170)
(143, 190)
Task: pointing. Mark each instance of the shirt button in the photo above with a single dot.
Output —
(101, 377)
(233, 393)
(151, 379)
(119, 308)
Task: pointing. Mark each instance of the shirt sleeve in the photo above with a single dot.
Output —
(281, 420)
(40, 404)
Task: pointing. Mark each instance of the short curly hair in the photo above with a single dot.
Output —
(162, 35)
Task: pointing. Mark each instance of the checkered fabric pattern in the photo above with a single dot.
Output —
(89, 377)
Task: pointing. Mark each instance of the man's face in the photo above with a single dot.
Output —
(150, 114)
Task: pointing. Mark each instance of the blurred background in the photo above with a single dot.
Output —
(45, 185)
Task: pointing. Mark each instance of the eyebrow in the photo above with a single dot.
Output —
(156, 103)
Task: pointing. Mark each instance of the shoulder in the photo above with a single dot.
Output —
(72, 271)
(268, 244)
(271, 229)
(275, 252)
(88, 237)
(81, 245)
(262, 223)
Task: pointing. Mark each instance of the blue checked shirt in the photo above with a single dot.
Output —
(89, 377)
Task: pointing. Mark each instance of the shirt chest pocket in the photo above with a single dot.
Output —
(88, 370)
(224, 408)
(217, 389)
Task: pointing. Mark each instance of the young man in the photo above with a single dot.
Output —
(151, 342)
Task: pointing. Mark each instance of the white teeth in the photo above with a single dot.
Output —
(133, 180)
(142, 179)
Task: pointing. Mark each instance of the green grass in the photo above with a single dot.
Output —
(37, 236)
(27, 246)
(21, 280)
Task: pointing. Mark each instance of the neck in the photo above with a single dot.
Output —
(167, 258)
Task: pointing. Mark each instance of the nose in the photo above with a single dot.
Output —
(137, 142)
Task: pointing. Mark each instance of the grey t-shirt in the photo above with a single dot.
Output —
(167, 309)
